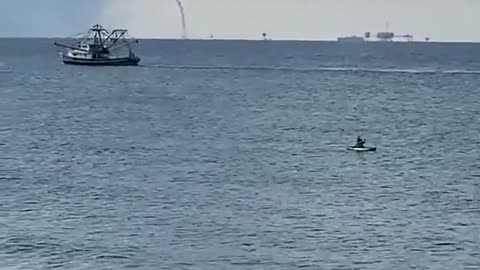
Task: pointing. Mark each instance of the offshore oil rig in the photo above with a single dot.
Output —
(380, 36)
(390, 36)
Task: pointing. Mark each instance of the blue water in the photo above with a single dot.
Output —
(232, 155)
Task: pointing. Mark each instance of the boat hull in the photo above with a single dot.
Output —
(121, 61)
(362, 149)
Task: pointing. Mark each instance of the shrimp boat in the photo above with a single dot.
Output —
(97, 46)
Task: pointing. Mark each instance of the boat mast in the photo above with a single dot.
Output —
(98, 35)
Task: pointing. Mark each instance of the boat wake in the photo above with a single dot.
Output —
(4, 69)
(323, 69)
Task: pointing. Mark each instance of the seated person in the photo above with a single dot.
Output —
(360, 142)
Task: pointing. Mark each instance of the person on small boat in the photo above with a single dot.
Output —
(360, 142)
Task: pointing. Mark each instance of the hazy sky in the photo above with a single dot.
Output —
(451, 20)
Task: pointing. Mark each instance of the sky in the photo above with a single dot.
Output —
(441, 20)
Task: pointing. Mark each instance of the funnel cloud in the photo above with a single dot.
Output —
(182, 14)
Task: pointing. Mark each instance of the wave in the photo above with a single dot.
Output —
(4, 68)
(459, 71)
(320, 69)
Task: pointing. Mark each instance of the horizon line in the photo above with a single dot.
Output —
(259, 39)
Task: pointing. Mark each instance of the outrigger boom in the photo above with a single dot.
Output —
(70, 47)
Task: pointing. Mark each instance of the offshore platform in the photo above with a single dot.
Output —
(390, 36)
(380, 36)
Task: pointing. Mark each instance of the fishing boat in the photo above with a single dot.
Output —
(100, 47)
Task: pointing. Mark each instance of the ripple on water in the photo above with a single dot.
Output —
(230, 166)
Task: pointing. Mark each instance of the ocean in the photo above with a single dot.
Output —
(232, 155)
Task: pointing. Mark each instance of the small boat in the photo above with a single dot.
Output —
(361, 149)
(96, 47)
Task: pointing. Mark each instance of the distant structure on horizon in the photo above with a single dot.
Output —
(354, 39)
(380, 36)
